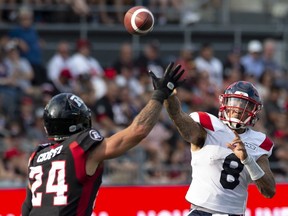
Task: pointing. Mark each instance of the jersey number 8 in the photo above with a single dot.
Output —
(230, 174)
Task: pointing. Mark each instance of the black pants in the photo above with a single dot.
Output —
(203, 213)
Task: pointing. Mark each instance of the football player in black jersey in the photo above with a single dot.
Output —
(65, 174)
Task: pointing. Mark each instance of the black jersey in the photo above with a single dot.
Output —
(58, 180)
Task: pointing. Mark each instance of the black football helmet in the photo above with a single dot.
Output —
(64, 115)
(241, 97)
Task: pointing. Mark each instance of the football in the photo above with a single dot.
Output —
(139, 20)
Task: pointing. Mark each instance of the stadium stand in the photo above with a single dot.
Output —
(155, 161)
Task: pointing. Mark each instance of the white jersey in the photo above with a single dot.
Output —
(219, 179)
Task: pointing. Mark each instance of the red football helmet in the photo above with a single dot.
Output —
(239, 105)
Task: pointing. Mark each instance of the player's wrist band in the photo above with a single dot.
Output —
(253, 168)
(159, 96)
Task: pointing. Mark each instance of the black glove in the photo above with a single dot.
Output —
(163, 87)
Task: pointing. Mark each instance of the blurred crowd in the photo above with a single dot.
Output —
(109, 12)
(106, 12)
(116, 93)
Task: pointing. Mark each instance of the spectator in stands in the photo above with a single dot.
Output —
(19, 69)
(150, 59)
(125, 58)
(5, 176)
(166, 11)
(278, 10)
(111, 11)
(10, 94)
(154, 168)
(83, 86)
(265, 84)
(82, 63)
(155, 145)
(207, 62)
(252, 61)
(195, 11)
(126, 107)
(180, 157)
(186, 91)
(128, 78)
(126, 69)
(36, 133)
(7, 91)
(205, 95)
(104, 111)
(269, 58)
(80, 7)
(281, 149)
(58, 61)
(29, 43)
(27, 107)
(254, 6)
(8, 177)
(65, 82)
(273, 108)
(15, 157)
(270, 61)
(186, 59)
(233, 69)
(58, 71)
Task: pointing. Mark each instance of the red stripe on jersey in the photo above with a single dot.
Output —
(205, 121)
(88, 182)
(90, 189)
(267, 144)
(79, 160)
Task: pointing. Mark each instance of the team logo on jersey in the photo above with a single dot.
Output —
(95, 135)
(250, 146)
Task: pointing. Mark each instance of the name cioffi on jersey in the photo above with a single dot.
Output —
(50, 154)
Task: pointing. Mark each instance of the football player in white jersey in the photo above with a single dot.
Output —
(227, 154)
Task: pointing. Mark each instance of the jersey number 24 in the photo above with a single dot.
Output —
(55, 183)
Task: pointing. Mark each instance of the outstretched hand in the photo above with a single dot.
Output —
(238, 147)
(164, 86)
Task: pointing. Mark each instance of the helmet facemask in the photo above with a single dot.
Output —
(238, 111)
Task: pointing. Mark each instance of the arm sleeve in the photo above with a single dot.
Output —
(27, 205)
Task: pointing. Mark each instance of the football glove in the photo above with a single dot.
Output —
(164, 86)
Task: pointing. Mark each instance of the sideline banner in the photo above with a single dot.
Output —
(153, 201)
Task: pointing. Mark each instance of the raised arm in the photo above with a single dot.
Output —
(190, 130)
(141, 126)
(144, 122)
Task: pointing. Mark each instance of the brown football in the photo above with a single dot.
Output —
(139, 20)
